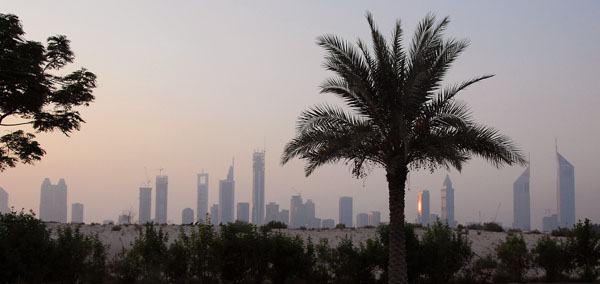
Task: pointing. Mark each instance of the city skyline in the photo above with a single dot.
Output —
(185, 79)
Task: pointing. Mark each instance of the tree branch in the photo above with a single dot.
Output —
(16, 124)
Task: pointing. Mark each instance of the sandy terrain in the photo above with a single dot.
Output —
(482, 242)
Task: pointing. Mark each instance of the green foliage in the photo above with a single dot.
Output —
(116, 228)
(443, 252)
(28, 254)
(340, 226)
(514, 259)
(492, 227)
(276, 225)
(31, 95)
(584, 244)
(562, 232)
(553, 257)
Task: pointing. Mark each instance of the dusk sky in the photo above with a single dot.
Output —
(188, 85)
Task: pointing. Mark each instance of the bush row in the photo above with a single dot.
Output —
(241, 253)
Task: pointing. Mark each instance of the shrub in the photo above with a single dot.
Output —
(443, 252)
(584, 243)
(561, 232)
(78, 258)
(276, 225)
(481, 270)
(340, 226)
(492, 227)
(475, 227)
(552, 257)
(116, 228)
(513, 257)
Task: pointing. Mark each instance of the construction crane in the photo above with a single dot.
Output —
(147, 177)
(497, 210)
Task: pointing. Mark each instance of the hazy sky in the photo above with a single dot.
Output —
(188, 85)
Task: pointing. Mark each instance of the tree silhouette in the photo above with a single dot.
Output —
(31, 95)
(399, 117)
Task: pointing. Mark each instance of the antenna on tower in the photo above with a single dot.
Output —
(556, 144)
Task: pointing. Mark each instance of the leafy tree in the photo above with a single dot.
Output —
(443, 252)
(584, 243)
(514, 259)
(492, 227)
(78, 258)
(553, 257)
(399, 117)
(31, 95)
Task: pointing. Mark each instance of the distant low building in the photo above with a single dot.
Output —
(328, 224)
(124, 219)
(187, 216)
(243, 212)
(374, 218)
(77, 213)
(284, 216)
(550, 223)
(315, 223)
(271, 212)
(362, 220)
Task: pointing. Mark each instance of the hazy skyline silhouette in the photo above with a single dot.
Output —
(185, 87)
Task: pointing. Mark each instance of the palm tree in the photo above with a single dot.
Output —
(398, 116)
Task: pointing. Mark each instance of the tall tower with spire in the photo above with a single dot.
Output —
(565, 191)
(521, 202)
(448, 202)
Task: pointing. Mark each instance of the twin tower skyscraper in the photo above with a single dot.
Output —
(219, 213)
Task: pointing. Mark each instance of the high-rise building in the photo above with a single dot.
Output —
(145, 208)
(374, 218)
(4, 201)
(243, 212)
(345, 211)
(187, 216)
(521, 202)
(550, 223)
(226, 198)
(214, 214)
(284, 216)
(309, 214)
(271, 212)
(423, 207)
(328, 224)
(258, 188)
(448, 202)
(202, 201)
(162, 191)
(77, 213)
(565, 192)
(297, 215)
(362, 220)
(53, 201)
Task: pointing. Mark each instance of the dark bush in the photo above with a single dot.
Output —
(443, 253)
(340, 226)
(492, 227)
(475, 227)
(481, 270)
(584, 244)
(562, 232)
(552, 257)
(514, 259)
(276, 225)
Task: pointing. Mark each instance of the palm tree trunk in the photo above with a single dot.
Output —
(396, 177)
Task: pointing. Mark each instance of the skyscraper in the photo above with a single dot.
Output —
(243, 212)
(448, 202)
(226, 198)
(362, 220)
(423, 207)
(374, 218)
(214, 214)
(145, 208)
(76, 213)
(187, 216)
(296, 212)
(202, 201)
(162, 190)
(309, 214)
(258, 188)
(53, 201)
(521, 202)
(4, 201)
(565, 192)
(271, 212)
(345, 211)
